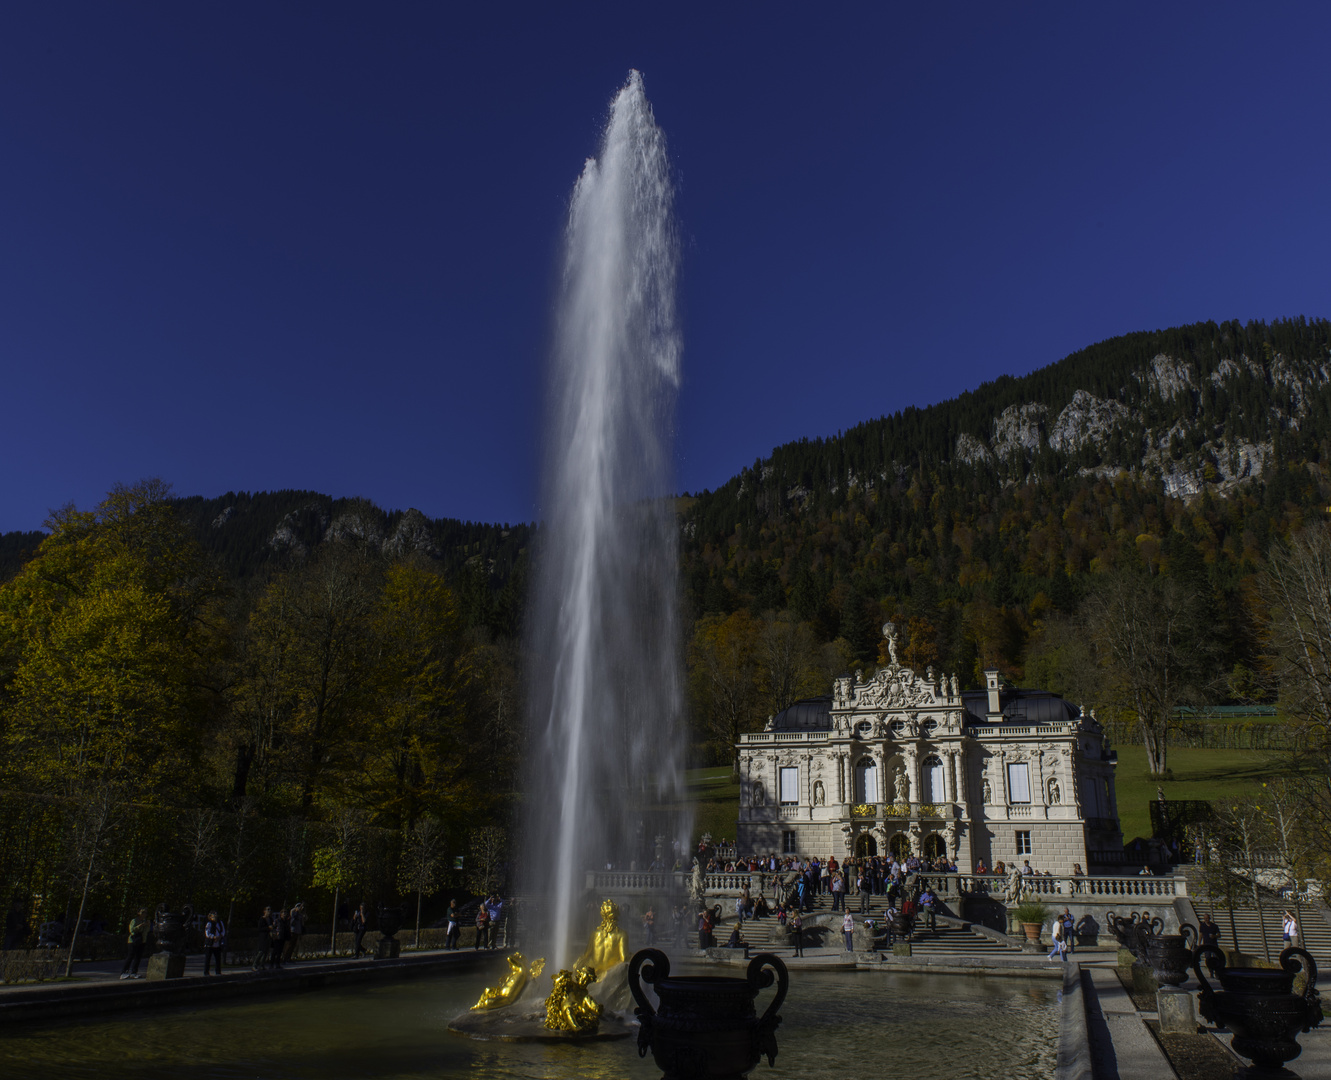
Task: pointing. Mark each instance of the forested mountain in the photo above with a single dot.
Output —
(1181, 452)
(254, 533)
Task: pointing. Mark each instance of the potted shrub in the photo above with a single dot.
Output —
(1031, 913)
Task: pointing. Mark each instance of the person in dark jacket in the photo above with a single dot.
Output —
(359, 924)
(214, 941)
(280, 935)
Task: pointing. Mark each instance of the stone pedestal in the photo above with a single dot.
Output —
(901, 948)
(389, 949)
(166, 966)
(1178, 1011)
(1125, 958)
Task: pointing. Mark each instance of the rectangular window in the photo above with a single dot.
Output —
(790, 786)
(788, 844)
(1023, 843)
(1018, 784)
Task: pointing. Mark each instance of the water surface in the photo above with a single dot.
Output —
(851, 1026)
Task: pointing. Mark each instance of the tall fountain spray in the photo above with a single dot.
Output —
(605, 693)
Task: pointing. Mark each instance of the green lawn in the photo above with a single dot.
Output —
(715, 797)
(1198, 774)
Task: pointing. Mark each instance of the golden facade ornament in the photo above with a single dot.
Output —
(864, 810)
(508, 991)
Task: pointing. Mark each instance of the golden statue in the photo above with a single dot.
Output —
(569, 1007)
(511, 988)
(607, 946)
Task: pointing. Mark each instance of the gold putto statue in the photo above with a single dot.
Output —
(607, 946)
(508, 991)
(569, 1007)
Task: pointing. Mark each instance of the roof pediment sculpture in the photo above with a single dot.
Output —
(894, 688)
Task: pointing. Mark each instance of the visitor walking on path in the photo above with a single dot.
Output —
(1057, 949)
(281, 931)
(848, 930)
(359, 924)
(837, 892)
(797, 934)
(214, 942)
(1290, 931)
(295, 927)
(1069, 931)
(138, 938)
(263, 949)
(649, 926)
(454, 926)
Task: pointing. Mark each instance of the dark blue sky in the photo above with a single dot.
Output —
(312, 245)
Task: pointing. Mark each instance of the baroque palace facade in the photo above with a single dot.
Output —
(908, 763)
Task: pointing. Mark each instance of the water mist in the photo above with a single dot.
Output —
(607, 746)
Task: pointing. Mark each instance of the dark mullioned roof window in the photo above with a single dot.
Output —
(811, 714)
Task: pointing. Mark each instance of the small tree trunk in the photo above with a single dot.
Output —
(332, 936)
(74, 940)
(418, 919)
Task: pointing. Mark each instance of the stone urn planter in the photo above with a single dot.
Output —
(1170, 955)
(1259, 1006)
(1032, 931)
(705, 1026)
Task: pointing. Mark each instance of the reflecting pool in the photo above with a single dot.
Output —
(852, 1025)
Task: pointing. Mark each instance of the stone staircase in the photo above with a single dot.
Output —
(1314, 924)
(1315, 931)
(945, 940)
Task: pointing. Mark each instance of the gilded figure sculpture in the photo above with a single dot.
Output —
(569, 1007)
(508, 991)
(607, 946)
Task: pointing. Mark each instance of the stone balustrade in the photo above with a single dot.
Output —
(948, 885)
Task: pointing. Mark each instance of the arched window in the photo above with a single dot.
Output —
(899, 845)
(934, 790)
(934, 846)
(866, 781)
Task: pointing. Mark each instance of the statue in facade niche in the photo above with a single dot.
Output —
(1055, 796)
(952, 843)
(758, 794)
(819, 794)
(902, 786)
(988, 794)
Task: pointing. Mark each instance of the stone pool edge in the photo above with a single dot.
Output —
(65, 1002)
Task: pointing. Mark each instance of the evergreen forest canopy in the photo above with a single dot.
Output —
(312, 685)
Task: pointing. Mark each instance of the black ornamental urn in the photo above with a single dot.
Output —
(1259, 1006)
(1170, 955)
(1134, 933)
(171, 927)
(390, 922)
(705, 1027)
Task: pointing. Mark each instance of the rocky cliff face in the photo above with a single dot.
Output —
(1171, 421)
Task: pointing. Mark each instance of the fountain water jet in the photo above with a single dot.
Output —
(603, 636)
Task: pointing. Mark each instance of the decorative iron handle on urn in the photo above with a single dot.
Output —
(658, 967)
(764, 1035)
